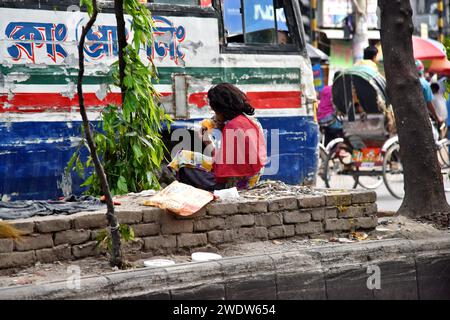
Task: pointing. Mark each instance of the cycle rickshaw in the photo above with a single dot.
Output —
(368, 154)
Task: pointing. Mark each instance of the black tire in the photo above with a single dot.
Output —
(335, 175)
(393, 172)
(444, 162)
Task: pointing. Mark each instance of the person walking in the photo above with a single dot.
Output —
(428, 96)
(329, 123)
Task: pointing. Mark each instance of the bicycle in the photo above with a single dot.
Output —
(393, 168)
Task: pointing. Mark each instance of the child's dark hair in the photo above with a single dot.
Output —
(229, 101)
(435, 87)
(370, 52)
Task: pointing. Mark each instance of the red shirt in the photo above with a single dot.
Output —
(243, 151)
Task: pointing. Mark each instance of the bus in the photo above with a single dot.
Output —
(257, 45)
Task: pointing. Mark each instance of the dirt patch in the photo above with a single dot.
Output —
(440, 221)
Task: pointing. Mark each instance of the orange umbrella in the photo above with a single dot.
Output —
(440, 66)
(426, 49)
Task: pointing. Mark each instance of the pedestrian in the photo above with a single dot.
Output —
(438, 101)
(329, 123)
(239, 160)
(370, 58)
(428, 96)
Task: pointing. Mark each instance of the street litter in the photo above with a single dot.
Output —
(181, 199)
(205, 256)
(158, 263)
(381, 229)
(360, 236)
(227, 194)
(341, 240)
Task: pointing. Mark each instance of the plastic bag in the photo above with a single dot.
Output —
(181, 199)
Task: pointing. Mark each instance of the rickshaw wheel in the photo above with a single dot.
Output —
(370, 182)
(338, 173)
(322, 160)
(444, 162)
(393, 172)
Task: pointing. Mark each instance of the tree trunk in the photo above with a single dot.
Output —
(122, 42)
(116, 254)
(361, 37)
(424, 189)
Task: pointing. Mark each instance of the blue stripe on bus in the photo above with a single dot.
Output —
(33, 155)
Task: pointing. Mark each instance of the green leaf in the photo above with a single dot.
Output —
(122, 186)
(126, 232)
(137, 151)
(89, 181)
(89, 6)
(79, 168)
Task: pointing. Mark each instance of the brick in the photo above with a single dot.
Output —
(351, 212)
(261, 233)
(59, 253)
(150, 214)
(25, 227)
(192, 240)
(253, 207)
(200, 214)
(337, 225)
(222, 208)
(366, 222)
(160, 242)
(88, 249)
(268, 220)
(331, 213)
(95, 233)
(371, 209)
(6, 245)
(132, 246)
(34, 242)
(338, 199)
(364, 197)
(53, 225)
(296, 216)
(289, 203)
(209, 224)
(309, 228)
(318, 214)
(215, 237)
(72, 237)
(281, 232)
(147, 229)
(90, 221)
(308, 201)
(170, 225)
(17, 259)
(244, 234)
(241, 220)
(129, 217)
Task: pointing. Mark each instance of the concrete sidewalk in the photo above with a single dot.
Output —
(404, 269)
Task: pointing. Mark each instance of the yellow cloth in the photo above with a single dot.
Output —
(368, 63)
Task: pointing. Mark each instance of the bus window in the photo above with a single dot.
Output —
(256, 22)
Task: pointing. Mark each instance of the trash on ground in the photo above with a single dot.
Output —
(227, 194)
(181, 199)
(157, 263)
(205, 256)
(341, 240)
(360, 236)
